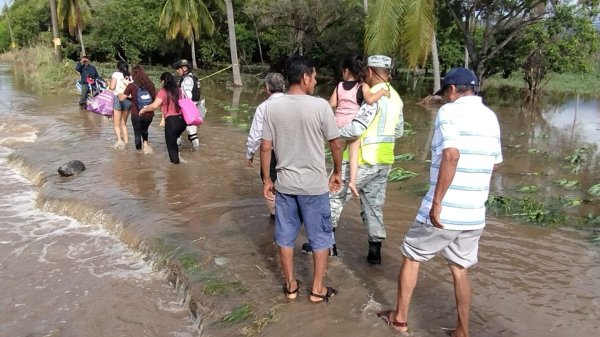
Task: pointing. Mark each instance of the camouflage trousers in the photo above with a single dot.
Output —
(371, 181)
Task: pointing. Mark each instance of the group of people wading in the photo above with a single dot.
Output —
(290, 129)
(126, 86)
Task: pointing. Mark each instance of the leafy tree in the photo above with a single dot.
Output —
(497, 22)
(75, 17)
(562, 43)
(321, 29)
(138, 38)
(28, 19)
(186, 18)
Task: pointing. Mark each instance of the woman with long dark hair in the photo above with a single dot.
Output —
(167, 99)
(141, 91)
(118, 82)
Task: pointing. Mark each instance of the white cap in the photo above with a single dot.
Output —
(379, 61)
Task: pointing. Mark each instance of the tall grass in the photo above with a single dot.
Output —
(40, 69)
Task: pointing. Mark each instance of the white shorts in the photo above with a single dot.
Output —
(424, 241)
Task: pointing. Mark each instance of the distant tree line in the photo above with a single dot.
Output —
(532, 37)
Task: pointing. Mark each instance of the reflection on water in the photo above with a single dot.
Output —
(531, 281)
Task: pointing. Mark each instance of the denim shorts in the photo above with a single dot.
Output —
(424, 241)
(312, 210)
(124, 105)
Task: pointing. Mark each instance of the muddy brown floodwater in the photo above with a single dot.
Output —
(77, 252)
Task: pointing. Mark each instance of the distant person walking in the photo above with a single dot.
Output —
(378, 125)
(89, 75)
(137, 90)
(296, 126)
(118, 82)
(167, 99)
(274, 88)
(464, 153)
(191, 89)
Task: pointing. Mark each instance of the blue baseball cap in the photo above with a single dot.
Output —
(458, 76)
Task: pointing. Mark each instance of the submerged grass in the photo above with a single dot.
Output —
(220, 287)
(238, 314)
(257, 326)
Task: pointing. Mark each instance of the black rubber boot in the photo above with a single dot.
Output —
(374, 256)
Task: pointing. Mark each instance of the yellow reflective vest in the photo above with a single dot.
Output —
(377, 142)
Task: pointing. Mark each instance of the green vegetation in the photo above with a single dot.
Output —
(568, 184)
(399, 174)
(594, 190)
(529, 189)
(238, 314)
(257, 326)
(218, 287)
(405, 156)
(521, 41)
(189, 263)
(525, 209)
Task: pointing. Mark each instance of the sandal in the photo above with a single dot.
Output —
(294, 292)
(399, 326)
(324, 298)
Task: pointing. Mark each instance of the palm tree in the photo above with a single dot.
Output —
(237, 79)
(71, 14)
(402, 28)
(187, 18)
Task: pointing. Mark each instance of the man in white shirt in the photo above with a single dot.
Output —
(275, 88)
(464, 153)
(190, 86)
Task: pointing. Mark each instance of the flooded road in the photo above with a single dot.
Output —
(208, 217)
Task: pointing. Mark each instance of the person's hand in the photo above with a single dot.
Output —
(353, 189)
(434, 215)
(249, 162)
(268, 189)
(387, 93)
(335, 182)
(142, 111)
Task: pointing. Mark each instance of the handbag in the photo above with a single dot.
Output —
(102, 104)
(190, 112)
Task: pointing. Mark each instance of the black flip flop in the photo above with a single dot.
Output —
(287, 292)
(324, 298)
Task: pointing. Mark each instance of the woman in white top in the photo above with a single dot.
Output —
(118, 82)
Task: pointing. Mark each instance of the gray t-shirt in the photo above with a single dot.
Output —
(299, 126)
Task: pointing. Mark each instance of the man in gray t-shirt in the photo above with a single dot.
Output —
(297, 126)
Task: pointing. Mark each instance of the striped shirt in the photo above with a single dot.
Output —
(472, 128)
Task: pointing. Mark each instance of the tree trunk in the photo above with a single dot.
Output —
(81, 40)
(258, 42)
(193, 44)
(13, 45)
(466, 58)
(366, 5)
(56, 40)
(436, 65)
(237, 78)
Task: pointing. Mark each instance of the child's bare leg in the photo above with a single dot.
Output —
(353, 151)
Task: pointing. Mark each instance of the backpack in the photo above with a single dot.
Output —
(195, 89)
(143, 97)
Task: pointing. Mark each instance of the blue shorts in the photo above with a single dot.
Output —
(312, 210)
(124, 105)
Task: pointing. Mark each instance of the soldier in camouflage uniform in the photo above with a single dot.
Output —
(377, 125)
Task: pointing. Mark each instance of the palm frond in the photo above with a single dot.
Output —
(417, 31)
(383, 26)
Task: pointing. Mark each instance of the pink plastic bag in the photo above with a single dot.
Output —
(102, 104)
(190, 112)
